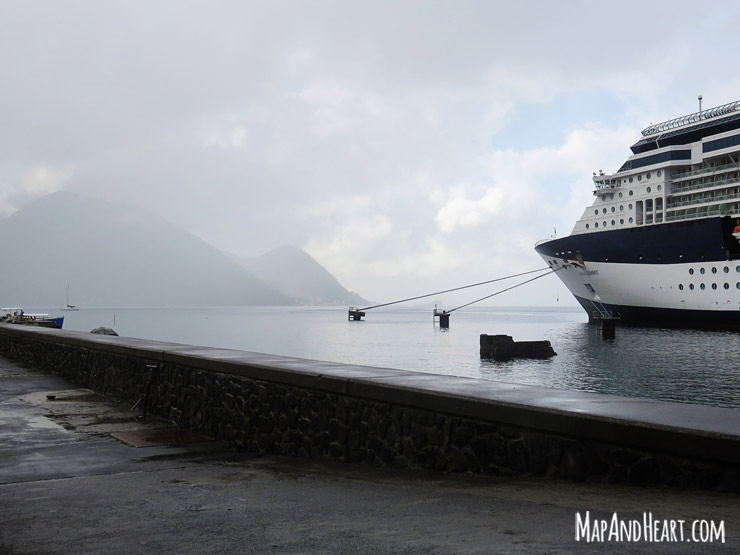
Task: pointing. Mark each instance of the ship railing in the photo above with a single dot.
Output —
(718, 183)
(692, 118)
(724, 211)
(703, 171)
(716, 198)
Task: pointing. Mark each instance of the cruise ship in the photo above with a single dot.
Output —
(661, 242)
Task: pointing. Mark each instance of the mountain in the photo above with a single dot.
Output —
(112, 254)
(297, 275)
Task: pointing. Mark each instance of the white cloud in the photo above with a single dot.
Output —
(21, 187)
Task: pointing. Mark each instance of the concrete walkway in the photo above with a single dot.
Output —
(82, 474)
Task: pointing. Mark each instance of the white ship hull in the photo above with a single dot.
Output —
(655, 292)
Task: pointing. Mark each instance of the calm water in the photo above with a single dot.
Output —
(689, 366)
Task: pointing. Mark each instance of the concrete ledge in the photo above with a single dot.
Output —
(690, 432)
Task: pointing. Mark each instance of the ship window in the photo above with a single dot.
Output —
(702, 270)
(586, 226)
(620, 195)
(613, 222)
(596, 212)
(631, 222)
(648, 177)
(680, 286)
(604, 223)
(691, 286)
(621, 221)
(613, 209)
(714, 270)
(631, 193)
(691, 271)
(639, 177)
(737, 285)
(596, 224)
(660, 187)
(702, 287)
(737, 269)
(611, 196)
(659, 203)
(727, 285)
(630, 182)
(604, 210)
(714, 286)
(588, 286)
(659, 176)
(726, 269)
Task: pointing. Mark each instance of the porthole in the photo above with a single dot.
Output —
(613, 222)
(691, 286)
(596, 212)
(630, 182)
(631, 193)
(691, 271)
(639, 177)
(727, 285)
(620, 195)
(680, 286)
(737, 269)
(702, 287)
(630, 220)
(714, 270)
(649, 190)
(613, 209)
(621, 221)
(604, 223)
(629, 206)
(621, 207)
(647, 177)
(714, 286)
(596, 224)
(659, 173)
(702, 271)
(660, 187)
(611, 196)
(737, 285)
(726, 270)
(604, 210)
(586, 226)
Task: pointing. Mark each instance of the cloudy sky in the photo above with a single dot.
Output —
(408, 146)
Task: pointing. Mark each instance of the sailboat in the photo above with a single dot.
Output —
(70, 306)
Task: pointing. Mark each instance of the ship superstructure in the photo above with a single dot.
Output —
(659, 242)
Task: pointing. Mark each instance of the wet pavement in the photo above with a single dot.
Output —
(80, 473)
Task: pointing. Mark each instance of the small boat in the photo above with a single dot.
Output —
(70, 306)
(19, 316)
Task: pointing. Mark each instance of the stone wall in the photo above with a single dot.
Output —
(295, 407)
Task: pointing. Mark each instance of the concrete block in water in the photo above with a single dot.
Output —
(504, 347)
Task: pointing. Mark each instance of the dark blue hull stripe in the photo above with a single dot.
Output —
(705, 240)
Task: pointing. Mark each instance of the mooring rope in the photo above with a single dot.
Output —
(466, 287)
(502, 291)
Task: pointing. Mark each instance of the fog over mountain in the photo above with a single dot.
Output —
(112, 254)
(297, 275)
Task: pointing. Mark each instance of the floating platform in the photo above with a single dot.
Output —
(503, 347)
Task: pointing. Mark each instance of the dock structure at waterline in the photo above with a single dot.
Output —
(355, 314)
